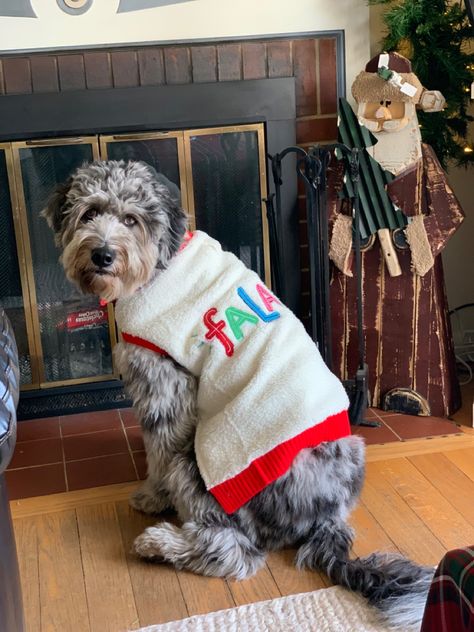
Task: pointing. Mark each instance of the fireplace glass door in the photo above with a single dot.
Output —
(14, 296)
(226, 172)
(72, 332)
(64, 337)
(162, 150)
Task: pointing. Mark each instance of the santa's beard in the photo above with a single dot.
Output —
(396, 148)
(384, 125)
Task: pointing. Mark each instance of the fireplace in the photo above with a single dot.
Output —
(181, 128)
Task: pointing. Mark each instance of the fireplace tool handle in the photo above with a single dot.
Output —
(358, 403)
(312, 168)
(309, 168)
(274, 244)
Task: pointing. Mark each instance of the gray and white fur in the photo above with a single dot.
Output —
(118, 226)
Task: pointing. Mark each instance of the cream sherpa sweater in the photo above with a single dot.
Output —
(264, 391)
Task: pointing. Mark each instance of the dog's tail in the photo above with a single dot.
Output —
(397, 587)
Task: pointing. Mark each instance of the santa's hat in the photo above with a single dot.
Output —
(387, 77)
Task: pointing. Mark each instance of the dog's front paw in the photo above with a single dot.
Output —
(147, 501)
(147, 546)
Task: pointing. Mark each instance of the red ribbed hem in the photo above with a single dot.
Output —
(236, 491)
(141, 342)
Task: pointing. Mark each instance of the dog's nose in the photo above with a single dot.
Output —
(102, 257)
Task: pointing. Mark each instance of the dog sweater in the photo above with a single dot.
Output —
(264, 392)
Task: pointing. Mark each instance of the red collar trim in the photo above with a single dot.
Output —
(104, 303)
(141, 342)
(188, 235)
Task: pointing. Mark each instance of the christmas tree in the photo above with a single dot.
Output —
(436, 36)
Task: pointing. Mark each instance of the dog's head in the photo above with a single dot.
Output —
(116, 223)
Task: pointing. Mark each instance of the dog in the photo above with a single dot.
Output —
(121, 232)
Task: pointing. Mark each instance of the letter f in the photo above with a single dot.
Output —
(215, 330)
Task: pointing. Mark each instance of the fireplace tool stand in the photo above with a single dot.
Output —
(311, 168)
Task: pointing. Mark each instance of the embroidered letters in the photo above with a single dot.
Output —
(237, 317)
(216, 331)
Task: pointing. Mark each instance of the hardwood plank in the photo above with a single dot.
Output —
(204, 594)
(158, 596)
(62, 590)
(108, 585)
(369, 535)
(412, 447)
(464, 460)
(26, 537)
(449, 480)
(439, 515)
(291, 580)
(401, 524)
(260, 587)
(38, 505)
(418, 505)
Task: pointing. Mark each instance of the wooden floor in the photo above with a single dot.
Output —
(78, 574)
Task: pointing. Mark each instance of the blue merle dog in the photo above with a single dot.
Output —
(118, 225)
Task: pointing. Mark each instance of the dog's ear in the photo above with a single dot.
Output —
(173, 190)
(178, 224)
(170, 194)
(54, 211)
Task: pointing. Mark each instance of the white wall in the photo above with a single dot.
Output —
(196, 19)
(458, 256)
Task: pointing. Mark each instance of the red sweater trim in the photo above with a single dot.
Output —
(188, 235)
(141, 342)
(236, 491)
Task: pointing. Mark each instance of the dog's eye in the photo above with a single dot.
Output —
(129, 220)
(89, 215)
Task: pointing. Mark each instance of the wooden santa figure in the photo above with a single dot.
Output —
(408, 339)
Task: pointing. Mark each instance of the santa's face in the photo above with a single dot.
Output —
(386, 116)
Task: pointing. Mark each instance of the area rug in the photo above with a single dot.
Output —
(328, 610)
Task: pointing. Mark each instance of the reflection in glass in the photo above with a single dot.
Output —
(11, 298)
(227, 195)
(159, 153)
(73, 328)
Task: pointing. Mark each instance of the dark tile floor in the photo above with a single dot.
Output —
(73, 452)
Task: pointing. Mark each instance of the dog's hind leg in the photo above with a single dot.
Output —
(208, 550)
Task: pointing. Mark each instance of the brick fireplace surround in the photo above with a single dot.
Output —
(315, 61)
